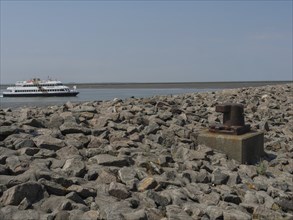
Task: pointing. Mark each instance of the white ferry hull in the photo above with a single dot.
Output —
(45, 94)
(41, 88)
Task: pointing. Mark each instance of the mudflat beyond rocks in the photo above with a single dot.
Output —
(139, 159)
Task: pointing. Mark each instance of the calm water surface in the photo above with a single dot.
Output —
(93, 95)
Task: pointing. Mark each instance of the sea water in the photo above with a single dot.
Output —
(92, 94)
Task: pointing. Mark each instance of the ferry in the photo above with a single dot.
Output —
(37, 87)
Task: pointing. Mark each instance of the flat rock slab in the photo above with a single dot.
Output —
(109, 160)
(48, 142)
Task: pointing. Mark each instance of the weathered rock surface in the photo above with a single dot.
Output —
(139, 159)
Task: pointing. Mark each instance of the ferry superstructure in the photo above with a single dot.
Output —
(37, 87)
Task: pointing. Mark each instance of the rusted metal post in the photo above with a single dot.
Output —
(233, 114)
(233, 120)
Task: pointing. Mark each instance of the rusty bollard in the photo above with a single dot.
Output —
(233, 120)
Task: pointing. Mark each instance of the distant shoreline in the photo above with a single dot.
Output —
(196, 85)
(192, 85)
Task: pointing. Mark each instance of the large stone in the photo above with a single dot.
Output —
(49, 142)
(127, 174)
(75, 197)
(74, 167)
(35, 123)
(78, 140)
(112, 210)
(55, 121)
(219, 177)
(109, 160)
(214, 212)
(152, 128)
(54, 204)
(84, 108)
(71, 128)
(68, 152)
(234, 214)
(106, 177)
(158, 199)
(33, 191)
(53, 188)
(118, 190)
(5, 131)
(286, 204)
(17, 164)
(24, 143)
(82, 191)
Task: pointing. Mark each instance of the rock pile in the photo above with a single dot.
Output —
(139, 159)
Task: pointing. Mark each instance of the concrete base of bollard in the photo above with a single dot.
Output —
(246, 148)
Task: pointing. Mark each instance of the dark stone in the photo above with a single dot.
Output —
(285, 203)
(118, 190)
(74, 167)
(71, 128)
(158, 199)
(5, 131)
(75, 197)
(218, 177)
(33, 191)
(231, 198)
(49, 142)
(35, 123)
(53, 188)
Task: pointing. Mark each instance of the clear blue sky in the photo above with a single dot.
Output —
(146, 41)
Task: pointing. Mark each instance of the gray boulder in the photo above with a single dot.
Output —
(34, 122)
(219, 177)
(74, 167)
(71, 128)
(78, 140)
(48, 142)
(53, 188)
(33, 191)
(5, 131)
(118, 190)
(127, 174)
(108, 160)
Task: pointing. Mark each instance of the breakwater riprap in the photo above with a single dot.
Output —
(139, 159)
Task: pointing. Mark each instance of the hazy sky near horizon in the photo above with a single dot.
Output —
(146, 41)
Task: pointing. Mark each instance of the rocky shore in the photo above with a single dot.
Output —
(139, 159)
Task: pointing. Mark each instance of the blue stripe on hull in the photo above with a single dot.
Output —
(41, 94)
